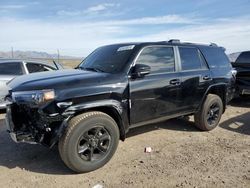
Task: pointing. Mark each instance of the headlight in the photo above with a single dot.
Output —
(35, 97)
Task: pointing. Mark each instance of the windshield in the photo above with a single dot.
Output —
(110, 59)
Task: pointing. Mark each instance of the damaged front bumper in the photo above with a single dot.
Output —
(34, 125)
(10, 125)
(17, 136)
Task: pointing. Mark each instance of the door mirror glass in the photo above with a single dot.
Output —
(141, 70)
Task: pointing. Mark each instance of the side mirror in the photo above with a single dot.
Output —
(141, 70)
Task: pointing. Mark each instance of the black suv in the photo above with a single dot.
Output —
(117, 87)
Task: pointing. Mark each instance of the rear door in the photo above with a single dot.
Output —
(195, 75)
(158, 93)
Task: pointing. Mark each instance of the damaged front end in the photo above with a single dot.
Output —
(34, 117)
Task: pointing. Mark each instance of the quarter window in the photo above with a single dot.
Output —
(160, 59)
(191, 59)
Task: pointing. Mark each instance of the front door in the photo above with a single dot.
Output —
(157, 94)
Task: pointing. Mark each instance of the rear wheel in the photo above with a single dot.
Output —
(89, 141)
(208, 117)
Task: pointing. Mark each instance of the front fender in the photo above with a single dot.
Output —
(101, 103)
(116, 109)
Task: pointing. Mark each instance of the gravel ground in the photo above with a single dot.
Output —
(182, 157)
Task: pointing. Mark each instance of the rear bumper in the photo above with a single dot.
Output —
(243, 90)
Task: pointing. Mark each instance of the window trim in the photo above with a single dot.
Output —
(200, 54)
(176, 66)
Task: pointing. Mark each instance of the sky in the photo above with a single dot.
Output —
(77, 27)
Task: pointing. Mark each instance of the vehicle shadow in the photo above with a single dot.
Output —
(35, 158)
(39, 159)
(239, 124)
(178, 124)
(2, 111)
(243, 101)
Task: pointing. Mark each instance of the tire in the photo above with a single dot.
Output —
(205, 119)
(89, 141)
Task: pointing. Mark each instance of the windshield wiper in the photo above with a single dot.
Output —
(91, 69)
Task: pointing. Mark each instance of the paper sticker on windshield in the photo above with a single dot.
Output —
(123, 48)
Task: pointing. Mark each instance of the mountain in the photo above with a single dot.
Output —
(33, 54)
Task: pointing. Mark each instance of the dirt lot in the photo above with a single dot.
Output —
(182, 157)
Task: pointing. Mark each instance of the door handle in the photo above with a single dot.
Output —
(175, 82)
(206, 77)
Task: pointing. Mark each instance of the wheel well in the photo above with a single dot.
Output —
(221, 92)
(112, 113)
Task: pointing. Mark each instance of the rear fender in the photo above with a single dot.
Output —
(217, 89)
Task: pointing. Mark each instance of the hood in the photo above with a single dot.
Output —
(6, 78)
(55, 80)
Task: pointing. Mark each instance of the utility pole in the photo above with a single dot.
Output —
(12, 52)
(58, 56)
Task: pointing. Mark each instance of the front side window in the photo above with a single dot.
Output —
(34, 67)
(12, 68)
(191, 59)
(160, 59)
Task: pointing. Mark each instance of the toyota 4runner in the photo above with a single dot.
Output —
(87, 111)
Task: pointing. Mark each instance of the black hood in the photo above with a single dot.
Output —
(55, 80)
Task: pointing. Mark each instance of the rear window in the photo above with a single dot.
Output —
(11, 68)
(215, 57)
(244, 57)
(191, 59)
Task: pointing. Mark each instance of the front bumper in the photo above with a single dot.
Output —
(34, 125)
(15, 135)
(10, 125)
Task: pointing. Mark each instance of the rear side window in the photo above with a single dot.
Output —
(244, 57)
(191, 59)
(160, 59)
(34, 67)
(215, 57)
(14, 68)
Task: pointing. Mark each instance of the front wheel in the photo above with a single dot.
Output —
(208, 117)
(89, 141)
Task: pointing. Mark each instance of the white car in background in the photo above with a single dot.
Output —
(10, 68)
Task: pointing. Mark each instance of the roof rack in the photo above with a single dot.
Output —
(174, 41)
(213, 44)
